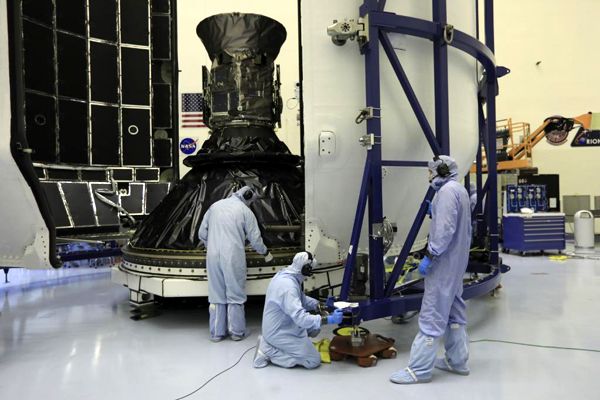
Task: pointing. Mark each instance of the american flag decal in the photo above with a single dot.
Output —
(191, 114)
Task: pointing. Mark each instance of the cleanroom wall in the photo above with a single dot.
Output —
(551, 49)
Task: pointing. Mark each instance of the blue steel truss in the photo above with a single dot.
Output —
(380, 23)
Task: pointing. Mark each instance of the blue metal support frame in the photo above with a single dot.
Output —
(492, 179)
(479, 176)
(90, 254)
(373, 309)
(410, 93)
(382, 302)
(355, 238)
(397, 163)
(410, 240)
(440, 75)
(371, 53)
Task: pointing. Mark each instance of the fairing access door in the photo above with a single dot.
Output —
(25, 236)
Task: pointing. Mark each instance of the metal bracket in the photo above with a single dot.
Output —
(19, 146)
(448, 33)
(501, 71)
(368, 141)
(349, 28)
(377, 230)
(363, 32)
(326, 144)
(366, 113)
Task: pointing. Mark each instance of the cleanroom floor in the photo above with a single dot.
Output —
(67, 335)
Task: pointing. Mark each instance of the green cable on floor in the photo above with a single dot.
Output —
(471, 341)
(534, 345)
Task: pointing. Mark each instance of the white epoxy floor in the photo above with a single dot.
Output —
(67, 335)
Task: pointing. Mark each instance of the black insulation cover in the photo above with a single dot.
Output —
(240, 89)
(234, 31)
(233, 156)
(175, 222)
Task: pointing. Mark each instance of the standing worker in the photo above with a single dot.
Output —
(443, 311)
(473, 195)
(287, 324)
(224, 230)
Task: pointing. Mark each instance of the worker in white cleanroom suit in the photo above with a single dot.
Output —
(473, 195)
(443, 311)
(224, 230)
(287, 323)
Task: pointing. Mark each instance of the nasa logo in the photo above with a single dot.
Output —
(187, 146)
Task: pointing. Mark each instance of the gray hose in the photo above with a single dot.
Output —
(99, 193)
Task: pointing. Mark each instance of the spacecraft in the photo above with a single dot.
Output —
(242, 106)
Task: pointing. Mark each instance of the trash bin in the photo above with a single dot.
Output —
(584, 231)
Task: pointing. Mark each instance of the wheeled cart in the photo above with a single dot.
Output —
(533, 232)
(370, 349)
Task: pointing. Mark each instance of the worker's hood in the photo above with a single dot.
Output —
(437, 181)
(244, 196)
(472, 189)
(300, 259)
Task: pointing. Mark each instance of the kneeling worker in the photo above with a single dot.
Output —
(287, 323)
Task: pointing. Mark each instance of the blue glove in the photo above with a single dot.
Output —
(425, 266)
(336, 317)
(428, 207)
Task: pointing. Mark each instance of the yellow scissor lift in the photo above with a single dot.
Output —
(521, 140)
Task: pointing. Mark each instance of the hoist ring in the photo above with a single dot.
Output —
(448, 33)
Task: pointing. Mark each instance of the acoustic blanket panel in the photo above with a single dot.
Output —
(38, 44)
(106, 214)
(73, 123)
(134, 22)
(104, 72)
(135, 70)
(79, 202)
(59, 174)
(40, 126)
(72, 66)
(40, 10)
(147, 174)
(70, 16)
(103, 19)
(161, 6)
(163, 153)
(136, 137)
(134, 201)
(87, 82)
(161, 37)
(94, 175)
(161, 106)
(57, 206)
(122, 174)
(105, 135)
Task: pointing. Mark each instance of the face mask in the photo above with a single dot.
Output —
(432, 176)
(436, 184)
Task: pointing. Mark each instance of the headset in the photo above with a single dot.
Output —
(248, 194)
(307, 268)
(442, 169)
